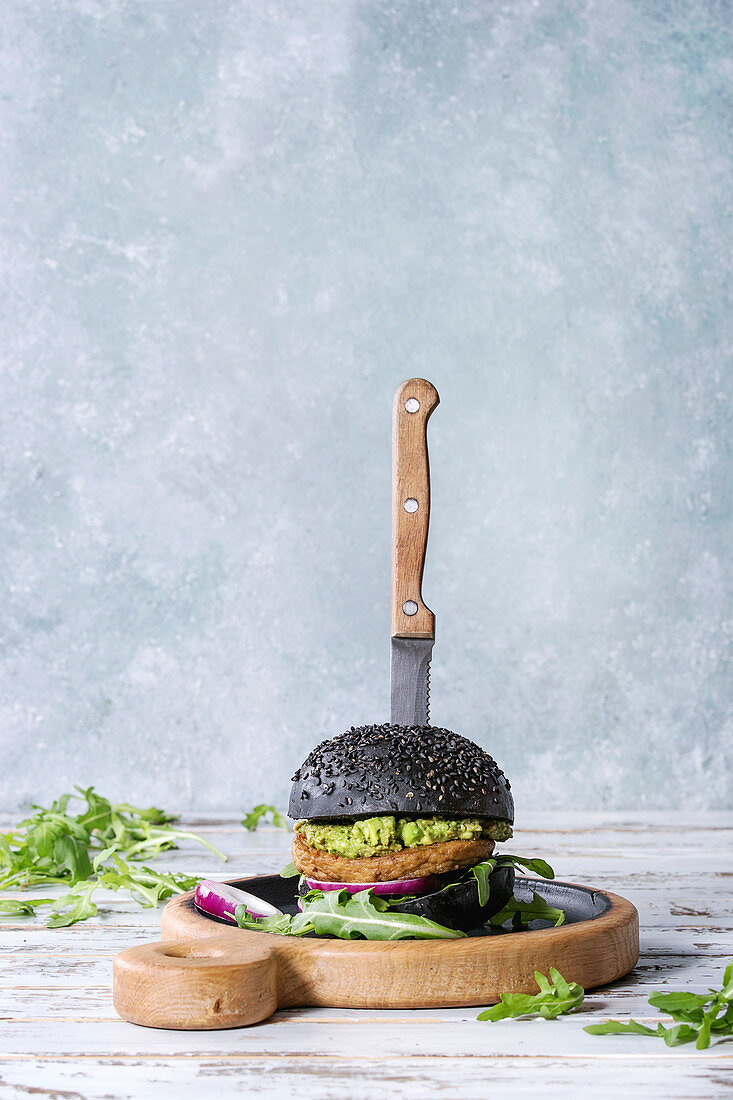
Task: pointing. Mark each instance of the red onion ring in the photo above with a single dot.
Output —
(219, 899)
(396, 886)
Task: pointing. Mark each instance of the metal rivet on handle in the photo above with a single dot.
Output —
(410, 505)
(412, 404)
(409, 607)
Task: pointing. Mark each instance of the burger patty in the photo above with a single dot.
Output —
(427, 859)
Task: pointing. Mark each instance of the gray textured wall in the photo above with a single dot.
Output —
(230, 229)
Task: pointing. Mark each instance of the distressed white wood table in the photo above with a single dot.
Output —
(60, 1037)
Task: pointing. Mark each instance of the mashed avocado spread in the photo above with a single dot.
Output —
(371, 836)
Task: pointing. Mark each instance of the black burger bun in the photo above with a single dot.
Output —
(458, 906)
(415, 770)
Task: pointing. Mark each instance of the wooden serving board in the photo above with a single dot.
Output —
(206, 974)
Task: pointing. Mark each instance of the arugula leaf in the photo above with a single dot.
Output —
(522, 913)
(251, 820)
(726, 993)
(349, 916)
(54, 846)
(675, 1036)
(703, 1032)
(102, 857)
(282, 925)
(699, 1016)
(535, 864)
(680, 1006)
(14, 907)
(72, 854)
(481, 872)
(146, 886)
(289, 871)
(556, 996)
(311, 895)
(152, 814)
(75, 906)
(616, 1027)
(90, 849)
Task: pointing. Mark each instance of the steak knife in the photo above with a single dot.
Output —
(413, 624)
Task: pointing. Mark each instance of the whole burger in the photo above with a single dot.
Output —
(406, 811)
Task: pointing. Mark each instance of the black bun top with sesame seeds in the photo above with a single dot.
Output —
(421, 770)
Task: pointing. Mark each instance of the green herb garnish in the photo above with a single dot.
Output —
(145, 885)
(282, 925)
(251, 820)
(556, 996)
(481, 872)
(349, 916)
(100, 846)
(289, 871)
(14, 907)
(535, 864)
(698, 1016)
(522, 913)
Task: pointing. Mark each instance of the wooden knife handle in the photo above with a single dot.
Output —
(413, 404)
(200, 984)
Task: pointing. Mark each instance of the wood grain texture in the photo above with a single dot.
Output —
(218, 979)
(60, 1035)
(475, 1075)
(411, 481)
(197, 984)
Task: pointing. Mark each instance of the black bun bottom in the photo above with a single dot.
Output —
(457, 906)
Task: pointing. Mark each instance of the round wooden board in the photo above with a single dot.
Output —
(206, 974)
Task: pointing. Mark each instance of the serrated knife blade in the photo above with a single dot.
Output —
(410, 681)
